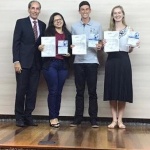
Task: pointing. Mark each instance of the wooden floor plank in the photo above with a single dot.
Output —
(135, 137)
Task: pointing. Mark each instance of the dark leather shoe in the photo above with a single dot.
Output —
(76, 122)
(30, 123)
(94, 123)
(20, 123)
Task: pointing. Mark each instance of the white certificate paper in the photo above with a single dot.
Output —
(49, 46)
(93, 40)
(112, 41)
(133, 38)
(79, 42)
(62, 47)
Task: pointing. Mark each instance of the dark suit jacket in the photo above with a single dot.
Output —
(25, 49)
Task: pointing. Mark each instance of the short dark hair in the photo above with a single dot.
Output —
(84, 3)
(30, 3)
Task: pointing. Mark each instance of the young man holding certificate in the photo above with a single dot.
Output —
(86, 63)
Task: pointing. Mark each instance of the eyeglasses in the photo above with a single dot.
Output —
(57, 20)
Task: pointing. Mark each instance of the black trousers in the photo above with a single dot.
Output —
(26, 91)
(86, 73)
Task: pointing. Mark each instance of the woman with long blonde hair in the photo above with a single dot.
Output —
(118, 74)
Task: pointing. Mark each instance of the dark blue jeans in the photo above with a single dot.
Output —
(55, 77)
(86, 74)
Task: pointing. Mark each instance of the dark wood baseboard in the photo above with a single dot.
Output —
(101, 120)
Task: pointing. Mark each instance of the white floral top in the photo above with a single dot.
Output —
(123, 39)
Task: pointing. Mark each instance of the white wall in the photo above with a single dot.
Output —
(137, 16)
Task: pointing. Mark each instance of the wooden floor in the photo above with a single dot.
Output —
(135, 137)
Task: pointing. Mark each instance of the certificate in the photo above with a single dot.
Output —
(133, 38)
(112, 41)
(49, 46)
(62, 47)
(79, 42)
(93, 40)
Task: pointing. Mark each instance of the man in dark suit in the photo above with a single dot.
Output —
(27, 63)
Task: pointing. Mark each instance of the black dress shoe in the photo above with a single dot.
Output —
(31, 123)
(76, 122)
(20, 123)
(94, 123)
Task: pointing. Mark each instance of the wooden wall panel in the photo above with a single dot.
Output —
(137, 16)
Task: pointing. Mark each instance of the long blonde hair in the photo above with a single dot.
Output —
(112, 21)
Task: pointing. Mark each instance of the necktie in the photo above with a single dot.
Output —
(35, 30)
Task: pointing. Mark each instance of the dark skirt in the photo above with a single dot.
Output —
(118, 78)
